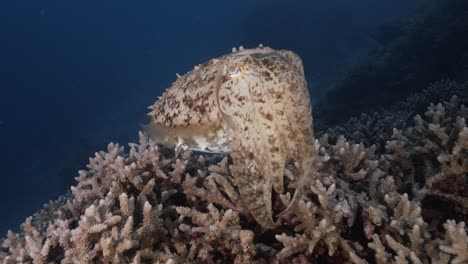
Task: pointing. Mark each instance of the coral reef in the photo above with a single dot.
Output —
(377, 128)
(430, 46)
(404, 203)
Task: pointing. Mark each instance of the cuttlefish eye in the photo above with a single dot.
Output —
(234, 71)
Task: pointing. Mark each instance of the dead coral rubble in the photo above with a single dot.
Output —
(147, 206)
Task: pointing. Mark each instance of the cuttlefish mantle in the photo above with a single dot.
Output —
(253, 103)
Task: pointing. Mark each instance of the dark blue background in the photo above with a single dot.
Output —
(75, 75)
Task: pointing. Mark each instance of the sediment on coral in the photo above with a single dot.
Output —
(406, 203)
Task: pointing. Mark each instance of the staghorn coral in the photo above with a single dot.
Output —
(377, 128)
(436, 148)
(148, 205)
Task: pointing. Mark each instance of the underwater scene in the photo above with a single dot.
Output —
(266, 131)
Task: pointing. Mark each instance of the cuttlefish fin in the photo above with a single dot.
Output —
(156, 132)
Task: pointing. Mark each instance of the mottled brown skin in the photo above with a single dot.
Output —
(260, 99)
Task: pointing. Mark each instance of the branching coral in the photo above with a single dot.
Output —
(377, 128)
(433, 154)
(147, 205)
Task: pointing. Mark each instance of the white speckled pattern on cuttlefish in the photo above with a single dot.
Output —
(253, 103)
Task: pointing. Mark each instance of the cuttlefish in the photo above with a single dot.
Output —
(253, 103)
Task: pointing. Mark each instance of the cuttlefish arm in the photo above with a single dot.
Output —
(255, 110)
(300, 134)
(251, 177)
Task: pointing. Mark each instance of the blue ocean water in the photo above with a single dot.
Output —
(75, 76)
